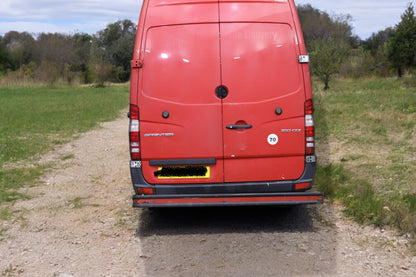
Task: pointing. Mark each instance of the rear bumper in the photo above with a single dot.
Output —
(187, 200)
(225, 194)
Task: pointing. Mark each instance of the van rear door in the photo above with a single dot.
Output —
(252, 128)
(180, 115)
(264, 111)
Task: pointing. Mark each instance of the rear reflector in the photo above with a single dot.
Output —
(145, 190)
(302, 186)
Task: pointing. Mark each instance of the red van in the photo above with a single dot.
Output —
(221, 106)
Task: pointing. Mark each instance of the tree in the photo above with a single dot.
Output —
(83, 44)
(3, 56)
(318, 25)
(19, 49)
(376, 49)
(115, 44)
(328, 40)
(315, 23)
(402, 46)
(327, 57)
(55, 55)
(55, 48)
(378, 40)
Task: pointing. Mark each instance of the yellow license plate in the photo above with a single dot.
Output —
(183, 172)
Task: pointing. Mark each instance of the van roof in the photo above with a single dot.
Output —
(176, 2)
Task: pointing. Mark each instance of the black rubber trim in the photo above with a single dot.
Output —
(183, 162)
(223, 188)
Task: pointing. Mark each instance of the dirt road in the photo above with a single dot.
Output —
(80, 222)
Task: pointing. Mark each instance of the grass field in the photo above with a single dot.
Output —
(34, 120)
(366, 133)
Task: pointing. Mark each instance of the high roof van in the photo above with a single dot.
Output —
(221, 108)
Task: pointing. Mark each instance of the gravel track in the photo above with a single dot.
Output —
(80, 222)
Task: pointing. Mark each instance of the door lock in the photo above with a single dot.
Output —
(221, 92)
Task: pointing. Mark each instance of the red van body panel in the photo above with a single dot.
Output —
(219, 92)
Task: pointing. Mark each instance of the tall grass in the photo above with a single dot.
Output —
(34, 119)
(367, 133)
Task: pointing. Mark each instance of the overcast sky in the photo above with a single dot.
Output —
(90, 16)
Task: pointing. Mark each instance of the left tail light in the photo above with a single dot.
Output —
(309, 128)
(134, 133)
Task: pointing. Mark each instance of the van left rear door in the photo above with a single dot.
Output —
(180, 114)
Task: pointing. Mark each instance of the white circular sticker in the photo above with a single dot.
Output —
(272, 139)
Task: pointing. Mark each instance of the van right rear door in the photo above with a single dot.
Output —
(260, 68)
(263, 114)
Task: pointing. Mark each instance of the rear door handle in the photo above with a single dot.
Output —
(234, 126)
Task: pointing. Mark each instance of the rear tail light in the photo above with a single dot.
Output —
(134, 131)
(309, 128)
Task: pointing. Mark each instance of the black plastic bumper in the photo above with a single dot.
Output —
(225, 194)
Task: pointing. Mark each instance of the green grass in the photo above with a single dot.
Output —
(68, 157)
(364, 203)
(13, 179)
(32, 119)
(78, 202)
(5, 213)
(366, 130)
(35, 120)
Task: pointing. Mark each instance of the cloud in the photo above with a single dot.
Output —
(65, 16)
(67, 10)
(35, 28)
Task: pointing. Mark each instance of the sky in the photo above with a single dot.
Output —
(90, 16)
(368, 16)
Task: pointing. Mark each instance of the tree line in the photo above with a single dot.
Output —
(105, 56)
(334, 49)
(62, 58)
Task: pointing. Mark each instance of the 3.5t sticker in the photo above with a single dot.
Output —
(272, 139)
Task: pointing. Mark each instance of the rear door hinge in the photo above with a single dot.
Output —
(136, 63)
(304, 58)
